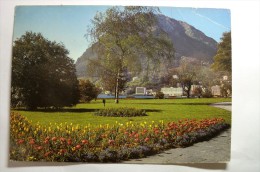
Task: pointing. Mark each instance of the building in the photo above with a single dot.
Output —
(216, 91)
(172, 91)
(140, 90)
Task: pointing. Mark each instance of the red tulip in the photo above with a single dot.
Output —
(77, 147)
(111, 142)
(32, 141)
(62, 139)
(146, 139)
(21, 141)
(46, 141)
(84, 142)
(69, 142)
(39, 147)
(62, 151)
(47, 153)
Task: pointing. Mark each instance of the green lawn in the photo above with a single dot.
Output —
(157, 109)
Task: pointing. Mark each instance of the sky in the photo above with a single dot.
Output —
(68, 24)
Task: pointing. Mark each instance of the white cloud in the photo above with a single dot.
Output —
(210, 20)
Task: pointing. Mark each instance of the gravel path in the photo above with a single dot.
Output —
(215, 150)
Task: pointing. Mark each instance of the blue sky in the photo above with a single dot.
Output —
(68, 24)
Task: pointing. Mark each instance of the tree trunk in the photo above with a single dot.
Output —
(188, 91)
(117, 89)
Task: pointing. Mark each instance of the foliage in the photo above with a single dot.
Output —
(207, 93)
(42, 73)
(88, 91)
(104, 143)
(206, 77)
(222, 60)
(159, 95)
(187, 72)
(121, 112)
(121, 38)
(198, 92)
(226, 88)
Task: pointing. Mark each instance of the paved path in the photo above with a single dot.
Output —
(215, 150)
(223, 105)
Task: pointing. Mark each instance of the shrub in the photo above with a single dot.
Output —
(159, 95)
(121, 112)
(87, 90)
(207, 94)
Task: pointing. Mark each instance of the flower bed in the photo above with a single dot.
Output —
(104, 143)
(121, 112)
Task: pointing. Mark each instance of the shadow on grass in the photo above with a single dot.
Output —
(152, 110)
(188, 104)
(81, 110)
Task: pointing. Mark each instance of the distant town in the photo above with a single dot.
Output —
(169, 92)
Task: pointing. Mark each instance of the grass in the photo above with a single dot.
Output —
(157, 109)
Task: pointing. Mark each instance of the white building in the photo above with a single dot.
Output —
(140, 90)
(172, 91)
(215, 90)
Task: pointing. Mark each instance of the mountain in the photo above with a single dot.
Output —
(188, 41)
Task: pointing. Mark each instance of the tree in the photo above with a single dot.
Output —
(42, 73)
(198, 91)
(222, 60)
(222, 64)
(88, 91)
(159, 95)
(121, 38)
(186, 73)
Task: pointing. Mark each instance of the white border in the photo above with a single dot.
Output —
(246, 113)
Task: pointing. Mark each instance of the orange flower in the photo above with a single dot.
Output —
(32, 141)
(62, 151)
(146, 139)
(39, 147)
(111, 142)
(62, 139)
(47, 153)
(21, 141)
(69, 142)
(156, 131)
(77, 147)
(54, 139)
(84, 142)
